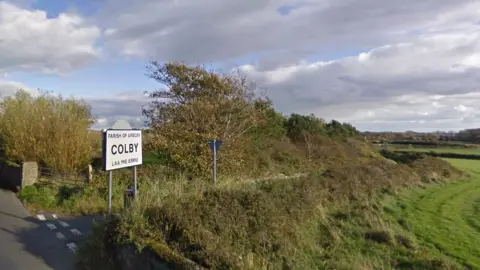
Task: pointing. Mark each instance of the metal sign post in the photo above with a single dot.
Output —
(214, 146)
(135, 191)
(109, 192)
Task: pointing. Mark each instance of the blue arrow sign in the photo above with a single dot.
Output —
(215, 144)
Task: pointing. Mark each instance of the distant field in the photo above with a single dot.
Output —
(468, 165)
(466, 151)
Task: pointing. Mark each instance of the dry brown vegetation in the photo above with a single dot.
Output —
(45, 128)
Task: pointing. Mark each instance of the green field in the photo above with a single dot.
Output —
(465, 151)
(444, 217)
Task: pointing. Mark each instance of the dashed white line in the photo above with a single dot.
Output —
(60, 235)
(63, 223)
(76, 232)
(54, 216)
(41, 217)
(72, 247)
(51, 226)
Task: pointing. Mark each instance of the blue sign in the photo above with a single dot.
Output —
(216, 143)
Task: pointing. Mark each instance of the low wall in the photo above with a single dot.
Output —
(18, 176)
(128, 258)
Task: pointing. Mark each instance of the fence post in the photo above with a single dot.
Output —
(89, 173)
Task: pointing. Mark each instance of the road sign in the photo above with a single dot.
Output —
(215, 145)
(122, 149)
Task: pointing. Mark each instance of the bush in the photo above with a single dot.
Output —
(48, 129)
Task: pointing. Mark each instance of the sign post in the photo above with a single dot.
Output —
(109, 191)
(214, 146)
(121, 148)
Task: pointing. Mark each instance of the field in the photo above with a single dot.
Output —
(444, 217)
(465, 151)
(458, 149)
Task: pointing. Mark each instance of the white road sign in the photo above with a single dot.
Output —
(122, 148)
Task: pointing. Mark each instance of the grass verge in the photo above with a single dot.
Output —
(444, 217)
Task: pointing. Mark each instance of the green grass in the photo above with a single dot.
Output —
(444, 217)
(469, 165)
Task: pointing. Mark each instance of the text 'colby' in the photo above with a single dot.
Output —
(124, 148)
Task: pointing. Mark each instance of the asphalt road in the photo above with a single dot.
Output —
(37, 242)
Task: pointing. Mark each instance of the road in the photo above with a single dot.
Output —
(38, 242)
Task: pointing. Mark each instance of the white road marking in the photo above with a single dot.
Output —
(60, 236)
(76, 232)
(63, 223)
(41, 217)
(51, 226)
(54, 216)
(72, 247)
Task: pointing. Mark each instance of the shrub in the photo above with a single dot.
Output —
(48, 129)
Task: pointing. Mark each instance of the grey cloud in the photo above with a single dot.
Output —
(107, 122)
(127, 105)
(218, 30)
(424, 66)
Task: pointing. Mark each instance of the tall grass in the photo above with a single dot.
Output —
(45, 128)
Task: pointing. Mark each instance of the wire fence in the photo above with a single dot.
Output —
(55, 177)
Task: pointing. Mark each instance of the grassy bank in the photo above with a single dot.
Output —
(329, 220)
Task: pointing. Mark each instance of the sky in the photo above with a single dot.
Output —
(380, 65)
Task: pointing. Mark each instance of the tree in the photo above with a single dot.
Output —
(270, 127)
(198, 105)
(296, 125)
(336, 129)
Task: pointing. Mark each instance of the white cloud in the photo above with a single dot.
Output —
(426, 65)
(428, 83)
(9, 88)
(31, 41)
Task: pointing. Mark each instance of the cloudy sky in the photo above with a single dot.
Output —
(381, 65)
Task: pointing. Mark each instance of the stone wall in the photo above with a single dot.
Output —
(18, 176)
(29, 173)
